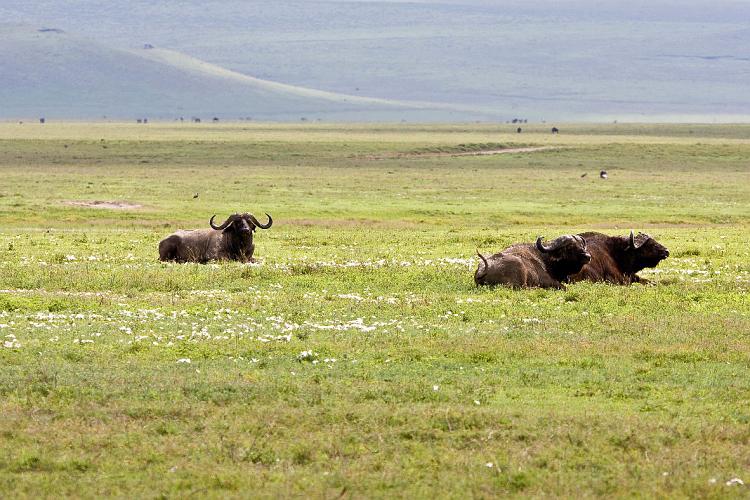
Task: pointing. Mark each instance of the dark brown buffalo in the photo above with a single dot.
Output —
(534, 265)
(617, 259)
(232, 240)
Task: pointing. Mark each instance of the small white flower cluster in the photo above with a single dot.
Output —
(449, 314)
(312, 357)
(11, 342)
(375, 264)
(275, 338)
(468, 300)
(355, 324)
(307, 356)
(375, 300)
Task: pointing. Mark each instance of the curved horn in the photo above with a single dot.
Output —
(583, 240)
(262, 226)
(224, 225)
(541, 246)
(482, 271)
(483, 259)
(631, 240)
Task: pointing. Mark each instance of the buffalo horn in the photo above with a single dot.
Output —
(257, 223)
(486, 266)
(224, 225)
(540, 246)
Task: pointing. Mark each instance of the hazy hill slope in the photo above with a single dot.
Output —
(47, 72)
(537, 59)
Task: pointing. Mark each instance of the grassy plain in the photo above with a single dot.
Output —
(419, 384)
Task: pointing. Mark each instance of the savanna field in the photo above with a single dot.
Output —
(357, 358)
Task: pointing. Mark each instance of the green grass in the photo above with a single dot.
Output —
(596, 390)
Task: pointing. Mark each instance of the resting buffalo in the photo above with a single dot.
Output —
(232, 240)
(529, 265)
(616, 259)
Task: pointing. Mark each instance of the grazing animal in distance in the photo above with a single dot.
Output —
(617, 259)
(555, 130)
(603, 174)
(518, 130)
(526, 265)
(232, 240)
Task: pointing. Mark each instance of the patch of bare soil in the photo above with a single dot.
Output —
(485, 152)
(351, 223)
(503, 151)
(107, 205)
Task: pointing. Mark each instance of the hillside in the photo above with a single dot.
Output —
(49, 72)
(661, 60)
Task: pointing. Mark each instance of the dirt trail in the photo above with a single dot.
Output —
(486, 152)
(529, 149)
(107, 205)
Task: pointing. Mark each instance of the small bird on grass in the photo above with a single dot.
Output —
(603, 174)
(195, 195)
(584, 175)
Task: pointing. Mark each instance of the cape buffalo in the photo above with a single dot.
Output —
(534, 265)
(232, 240)
(616, 259)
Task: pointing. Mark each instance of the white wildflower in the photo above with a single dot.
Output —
(11, 344)
(307, 356)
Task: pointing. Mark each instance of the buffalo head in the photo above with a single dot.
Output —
(240, 223)
(646, 251)
(567, 251)
(238, 232)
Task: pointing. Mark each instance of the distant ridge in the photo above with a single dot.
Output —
(47, 72)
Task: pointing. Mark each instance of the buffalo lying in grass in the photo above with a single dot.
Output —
(534, 265)
(232, 240)
(617, 259)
